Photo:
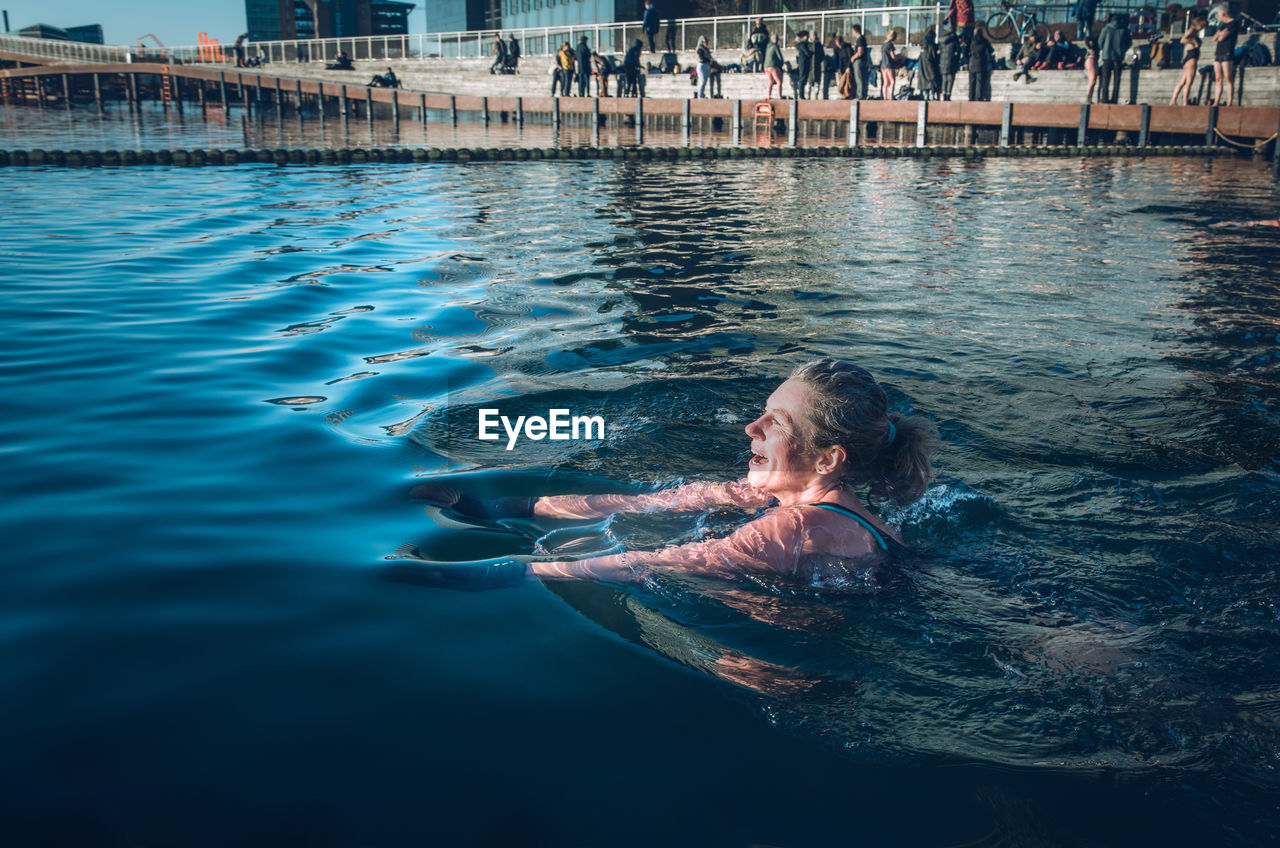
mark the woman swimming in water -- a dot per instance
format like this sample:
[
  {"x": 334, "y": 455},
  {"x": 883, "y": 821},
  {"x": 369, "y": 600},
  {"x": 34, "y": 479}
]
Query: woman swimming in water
[{"x": 825, "y": 435}]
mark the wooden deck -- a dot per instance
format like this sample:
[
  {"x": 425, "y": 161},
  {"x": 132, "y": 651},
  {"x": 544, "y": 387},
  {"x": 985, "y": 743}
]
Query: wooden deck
[{"x": 233, "y": 88}]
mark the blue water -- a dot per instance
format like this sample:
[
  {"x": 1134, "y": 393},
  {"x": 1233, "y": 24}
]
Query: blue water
[{"x": 219, "y": 387}]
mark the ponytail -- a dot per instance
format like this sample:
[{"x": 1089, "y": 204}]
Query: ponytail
[
  {"x": 887, "y": 452},
  {"x": 902, "y": 471}
]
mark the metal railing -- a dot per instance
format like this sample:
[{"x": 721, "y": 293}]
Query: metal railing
[
  {"x": 725, "y": 35},
  {"x": 71, "y": 51}
]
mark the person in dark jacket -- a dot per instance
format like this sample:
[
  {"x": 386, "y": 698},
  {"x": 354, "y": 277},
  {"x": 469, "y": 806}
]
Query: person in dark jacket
[
  {"x": 1084, "y": 11},
  {"x": 930, "y": 70},
  {"x": 1062, "y": 53},
  {"x": 499, "y": 55},
  {"x": 705, "y": 61},
  {"x": 582, "y": 57},
  {"x": 844, "y": 77},
  {"x": 671, "y": 35},
  {"x": 513, "y": 53},
  {"x": 981, "y": 58},
  {"x": 759, "y": 41},
  {"x": 949, "y": 61},
  {"x": 804, "y": 61},
  {"x": 818, "y": 65},
  {"x": 860, "y": 63},
  {"x": 1112, "y": 42},
  {"x": 1029, "y": 55},
  {"x": 631, "y": 69},
  {"x": 651, "y": 24}
]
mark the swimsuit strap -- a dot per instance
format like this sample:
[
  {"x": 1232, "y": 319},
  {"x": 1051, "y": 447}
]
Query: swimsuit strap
[{"x": 844, "y": 510}]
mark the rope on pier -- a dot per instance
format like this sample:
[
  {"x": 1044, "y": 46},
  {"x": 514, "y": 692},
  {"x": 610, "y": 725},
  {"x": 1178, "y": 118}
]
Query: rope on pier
[{"x": 1256, "y": 148}]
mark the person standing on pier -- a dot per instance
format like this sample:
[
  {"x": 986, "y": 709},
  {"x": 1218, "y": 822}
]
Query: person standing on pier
[
  {"x": 981, "y": 58},
  {"x": 818, "y": 68},
  {"x": 1224, "y": 55},
  {"x": 930, "y": 73},
  {"x": 1190, "y": 60},
  {"x": 949, "y": 62},
  {"x": 651, "y": 24},
  {"x": 961, "y": 17},
  {"x": 1090, "y": 68},
  {"x": 804, "y": 61},
  {"x": 513, "y": 53},
  {"x": 859, "y": 63},
  {"x": 499, "y": 55},
  {"x": 582, "y": 59},
  {"x": 631, "y": 69},
  {"x": 671, "y": 35},
  {"x": 844, "y": 79},
  {"x": 759, "y": 40},
  {"x": 564, "y": 61},
  {"x": 888, "y": 67},
  {"x": 603, "y": 68},
  {"x": 1112, "y": 42},
  {"x": 1085, "y": 11},
  {"x": 704, "y": 66},
  {"x": 773, "y": 67}
]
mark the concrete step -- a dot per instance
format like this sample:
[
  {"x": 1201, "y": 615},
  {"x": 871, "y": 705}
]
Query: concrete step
[{"x": 1259, "y": 86}]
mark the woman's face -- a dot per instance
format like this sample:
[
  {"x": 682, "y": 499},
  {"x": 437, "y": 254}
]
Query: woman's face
[{"x": 778, "y": 465}]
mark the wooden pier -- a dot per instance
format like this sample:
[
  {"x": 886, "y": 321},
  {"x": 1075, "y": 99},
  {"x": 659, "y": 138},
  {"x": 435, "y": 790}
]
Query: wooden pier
[{"x": 849, "y": 123}]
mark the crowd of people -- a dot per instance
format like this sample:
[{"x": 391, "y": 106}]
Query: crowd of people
[
  {"x": 573, "y": 69},
  {"x": 853, "y": 67},
  {"x": 845, "y": 64}
]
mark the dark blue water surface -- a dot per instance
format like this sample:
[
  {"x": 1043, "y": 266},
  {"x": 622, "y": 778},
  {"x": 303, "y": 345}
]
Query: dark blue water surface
[{"x": 219, "y": 386}]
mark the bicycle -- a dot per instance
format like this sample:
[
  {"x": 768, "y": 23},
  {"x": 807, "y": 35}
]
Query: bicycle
[{"x": 1012, "y": 19}]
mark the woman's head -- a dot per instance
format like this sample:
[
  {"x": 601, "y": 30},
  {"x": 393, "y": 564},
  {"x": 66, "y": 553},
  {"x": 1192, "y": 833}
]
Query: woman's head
[{"x": 839, "y": 414}]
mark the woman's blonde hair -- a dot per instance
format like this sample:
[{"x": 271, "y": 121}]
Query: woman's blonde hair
[{"x": 886, "y": 451}]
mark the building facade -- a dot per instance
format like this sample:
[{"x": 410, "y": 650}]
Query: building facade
[
  {"x": 274, "y": 20},
  {"x": 89, "y": 33},
  {"x": 463, "y": 15}
]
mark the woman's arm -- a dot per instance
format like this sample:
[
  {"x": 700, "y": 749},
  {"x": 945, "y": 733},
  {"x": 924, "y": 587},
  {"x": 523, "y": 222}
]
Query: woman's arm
[
  {"x": 771, "y": 544},
  {"x": 688, "y": 498}
]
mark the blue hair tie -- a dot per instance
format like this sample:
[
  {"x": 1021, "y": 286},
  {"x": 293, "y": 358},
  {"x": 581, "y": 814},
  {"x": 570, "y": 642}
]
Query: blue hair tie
[{"x": 893, "y": 434}]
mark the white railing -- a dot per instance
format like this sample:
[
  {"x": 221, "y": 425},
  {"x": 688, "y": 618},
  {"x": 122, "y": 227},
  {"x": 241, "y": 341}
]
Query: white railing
[
  {"x": 70, "y": 51},
  {"x": 724, "y": 35}
]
